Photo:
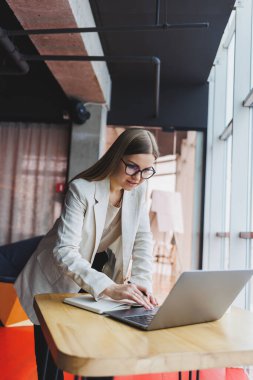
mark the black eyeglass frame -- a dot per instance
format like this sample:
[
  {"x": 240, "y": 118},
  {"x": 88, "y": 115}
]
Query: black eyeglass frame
[{"x": 139, "y": 170}]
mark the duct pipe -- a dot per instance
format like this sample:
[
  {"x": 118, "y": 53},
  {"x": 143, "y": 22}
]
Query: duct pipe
[
  {"x": 125, "y": 28},
  {"x": 141, "y": 59},
  {"x": 12, "y": 52}
]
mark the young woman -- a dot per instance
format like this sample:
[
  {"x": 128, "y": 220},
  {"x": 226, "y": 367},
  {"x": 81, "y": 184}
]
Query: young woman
[{"x": 102, "y": 242}]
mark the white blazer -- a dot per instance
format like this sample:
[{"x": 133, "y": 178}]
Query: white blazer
[{"x": 62, "y": 261}]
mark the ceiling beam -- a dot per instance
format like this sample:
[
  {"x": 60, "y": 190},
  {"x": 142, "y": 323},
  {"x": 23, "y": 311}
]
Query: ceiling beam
[{"x": 89, "y": 81}]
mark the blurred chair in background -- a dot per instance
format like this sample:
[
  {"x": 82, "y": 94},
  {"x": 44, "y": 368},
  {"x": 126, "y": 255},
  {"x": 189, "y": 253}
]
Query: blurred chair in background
[
  {"x": 13, "y": 258},
  {"x": 166, "y": 222}
]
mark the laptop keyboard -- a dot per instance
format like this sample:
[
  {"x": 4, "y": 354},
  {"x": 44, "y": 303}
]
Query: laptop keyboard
[{"x": 144, "y": 319}]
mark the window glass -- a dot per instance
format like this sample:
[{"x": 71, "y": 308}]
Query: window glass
[
  {"x": 251, "y": 208},
  {"x": 227, "y": 201},
  {"x": 230, "y": 80},
  {"x": 251, "y": 71}
]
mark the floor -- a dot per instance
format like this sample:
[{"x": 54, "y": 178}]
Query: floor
[{"x": 17, "y": 360}]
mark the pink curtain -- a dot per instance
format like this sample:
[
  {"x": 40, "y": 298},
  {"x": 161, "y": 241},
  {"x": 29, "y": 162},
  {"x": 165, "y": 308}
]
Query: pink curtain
[{"x": 33, "y": 159}]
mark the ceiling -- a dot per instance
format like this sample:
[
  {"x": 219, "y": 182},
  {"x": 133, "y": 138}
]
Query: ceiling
[
  {"x": 186, "y": 58},
  {"x": 186, "y": 54},
  {"x": 35, "y": 96}
]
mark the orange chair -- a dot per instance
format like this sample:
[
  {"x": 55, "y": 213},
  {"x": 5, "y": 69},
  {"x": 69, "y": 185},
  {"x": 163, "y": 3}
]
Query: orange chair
[{"x": 13, "y": 258}]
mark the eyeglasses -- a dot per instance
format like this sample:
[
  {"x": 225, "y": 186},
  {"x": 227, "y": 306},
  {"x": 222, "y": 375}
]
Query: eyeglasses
[{"x": 133, "y": 169}]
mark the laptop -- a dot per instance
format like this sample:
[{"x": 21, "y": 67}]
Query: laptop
[{"x": 197, "y": 297}]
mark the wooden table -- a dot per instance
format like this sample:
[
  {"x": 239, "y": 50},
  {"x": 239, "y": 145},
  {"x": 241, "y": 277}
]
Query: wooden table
[{"x": 87, "y": 344}]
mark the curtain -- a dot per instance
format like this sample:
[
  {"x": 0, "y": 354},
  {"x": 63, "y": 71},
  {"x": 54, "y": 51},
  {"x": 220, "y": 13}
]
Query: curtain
[{"x": 33, "y": 160}]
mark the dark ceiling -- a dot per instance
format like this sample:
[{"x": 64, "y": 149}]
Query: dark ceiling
[
  {"x": 186, "y": 58},
  {"x": 186, "y": 54},
  {"x": 35, "y": 96}
]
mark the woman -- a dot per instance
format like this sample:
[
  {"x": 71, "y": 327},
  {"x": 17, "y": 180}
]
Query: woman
[{"x": 102, "y": 242}]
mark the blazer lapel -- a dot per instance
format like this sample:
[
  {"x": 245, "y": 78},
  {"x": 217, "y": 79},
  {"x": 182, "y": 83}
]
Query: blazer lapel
[
  {"x": 102, "y": 190},
  {"x": 129, "y": 216}
]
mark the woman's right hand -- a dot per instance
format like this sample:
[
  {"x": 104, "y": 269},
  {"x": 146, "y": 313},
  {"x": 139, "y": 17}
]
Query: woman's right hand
[{"x": 131, "y": 291}]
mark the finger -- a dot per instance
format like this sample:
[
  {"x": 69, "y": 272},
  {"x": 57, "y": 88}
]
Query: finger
[
  {"x": 141, "y": 301},
  {"x": 138, "y": 297},
  {"x": 146, "y": 301},
  {"x": 130, "y": 290},
  {"x": 153, "y": 300},
  {"x": 142, "y": 288},
  {"x": 134, "y": 288},
  {"x": 147, "y": 298},
  {"x": 141, "y": 294}
]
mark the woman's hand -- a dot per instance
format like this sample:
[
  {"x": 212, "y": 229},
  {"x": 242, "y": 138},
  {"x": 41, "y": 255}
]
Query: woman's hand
[{"x": 133, "y": 292}]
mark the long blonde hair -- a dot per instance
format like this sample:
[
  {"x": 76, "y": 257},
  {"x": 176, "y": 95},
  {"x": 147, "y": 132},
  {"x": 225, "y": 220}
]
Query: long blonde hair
[{"x": 131, "y": 141}]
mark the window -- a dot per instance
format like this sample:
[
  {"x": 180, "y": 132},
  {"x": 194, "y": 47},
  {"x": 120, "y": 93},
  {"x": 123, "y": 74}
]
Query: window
[{"x": 230, "y": 80}]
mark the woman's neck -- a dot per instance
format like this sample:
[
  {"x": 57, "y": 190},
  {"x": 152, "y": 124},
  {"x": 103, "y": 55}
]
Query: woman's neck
[
  {"x": 115, "y": 187},
  {"x": 116, "y": 194}
]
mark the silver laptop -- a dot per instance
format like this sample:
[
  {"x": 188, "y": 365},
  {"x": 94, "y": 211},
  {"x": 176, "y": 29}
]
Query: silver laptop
[{"x": 197, "y": 297}]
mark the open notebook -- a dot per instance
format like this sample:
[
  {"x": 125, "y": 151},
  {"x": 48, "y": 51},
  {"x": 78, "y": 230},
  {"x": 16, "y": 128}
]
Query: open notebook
[{"x": 101, "y": 306}]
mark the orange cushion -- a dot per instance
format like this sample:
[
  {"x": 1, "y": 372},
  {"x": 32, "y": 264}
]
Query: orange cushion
[{"x": 10, "y": 309}]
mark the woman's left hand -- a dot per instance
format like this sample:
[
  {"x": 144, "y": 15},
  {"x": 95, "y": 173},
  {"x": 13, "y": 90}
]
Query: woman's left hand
[
  {"x": 152, "y": 299},
  {"x": 148, "y": 296},
  {"x": 133, "y": 292}
]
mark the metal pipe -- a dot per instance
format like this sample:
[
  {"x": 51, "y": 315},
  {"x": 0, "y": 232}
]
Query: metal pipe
[
  {"x": 138, "y": 59},
  {"x": 138, "y": 28},
  {"x": 80, "y": 58},
  {"x": 157, "y": 11},
  {"x": 157, "y": 63},
  {"x": 165, "y": 9},
  {"x": 12, "y": 52}
]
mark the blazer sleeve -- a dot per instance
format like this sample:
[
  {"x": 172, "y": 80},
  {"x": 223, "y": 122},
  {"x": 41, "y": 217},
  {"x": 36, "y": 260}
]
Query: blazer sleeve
[
  {"x": 66, "y": 251},
  {"x": 142, "y": 256}
]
